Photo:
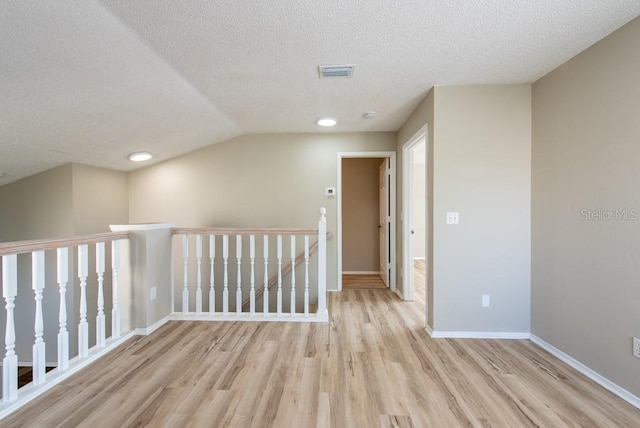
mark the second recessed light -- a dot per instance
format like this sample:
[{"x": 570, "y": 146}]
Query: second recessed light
[{"x": 327, "y": 121}]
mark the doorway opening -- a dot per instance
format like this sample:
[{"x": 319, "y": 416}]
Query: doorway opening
[
  {"x": 366, "y": 220},
  {"x": 415, "y": 211}
]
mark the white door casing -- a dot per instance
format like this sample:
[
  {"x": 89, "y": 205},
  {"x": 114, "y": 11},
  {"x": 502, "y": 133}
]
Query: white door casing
[
  {"x": 391, "y": 236},
  {"x": 383, "y": 221}
]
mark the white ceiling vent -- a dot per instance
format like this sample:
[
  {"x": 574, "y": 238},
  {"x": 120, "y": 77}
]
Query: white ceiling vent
[{"x": 331, "y": 71}]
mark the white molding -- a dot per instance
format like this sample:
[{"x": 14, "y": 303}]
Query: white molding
[
  {"x": 591, "y": 374},
  {"x": 407, "y": 213},
  {"x": 54, "y": 377},
  {"x": 247, "y": 317},
  {"x": 419, "y": 258},
  {"x": 391, "y": 155},
  {"x": 399, "y": 293},
  {"x": 148, "y": 330},
  {"x": 149, "y": 226},
  {"x": 436, "y": 334},
  {"x": 361, "y": 272},
  {"x": 429, "y": 330}
]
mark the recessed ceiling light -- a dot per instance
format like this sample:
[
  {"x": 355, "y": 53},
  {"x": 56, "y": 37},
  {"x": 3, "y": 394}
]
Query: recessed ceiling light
[
  {"x": 327, "y": 121},
  {"x": 140, "y": 156},
  {"x": 370, "y": 115}
]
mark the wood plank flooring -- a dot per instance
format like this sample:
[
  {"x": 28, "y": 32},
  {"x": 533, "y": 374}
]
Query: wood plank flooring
[
  {"x": 372, "y": 366},
  {"x": 362, "y": 282}
]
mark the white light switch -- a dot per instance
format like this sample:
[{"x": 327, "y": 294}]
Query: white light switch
[
  {"x": 486, "y": 300},
  {"x": 453, "y": 218},
  {"x": 152, "y": 293}
]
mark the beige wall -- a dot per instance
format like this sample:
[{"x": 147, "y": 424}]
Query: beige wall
[
  {"x": 100, "y": 198},
  {"x": 270, "y": 180},
  {"x": 482, "y": 158},
  {"x": 478, "y": 164},
  {"x": 360, "y": 214},
  {"x": 37, "y": 207},
  {"x": 586, "y": 152}
]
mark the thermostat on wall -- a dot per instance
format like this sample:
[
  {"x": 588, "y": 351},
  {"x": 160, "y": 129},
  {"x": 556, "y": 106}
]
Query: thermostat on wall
[{"x": 330, "y": 191}]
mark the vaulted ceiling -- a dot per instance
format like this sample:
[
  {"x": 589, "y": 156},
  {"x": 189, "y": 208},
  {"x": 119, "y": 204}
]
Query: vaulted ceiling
[{"x": 92, "y": 81}]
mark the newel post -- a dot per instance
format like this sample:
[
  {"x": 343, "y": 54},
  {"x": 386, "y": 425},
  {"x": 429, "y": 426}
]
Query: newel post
[
  {"x": 10, "y": 361},
  {"x": 322, "y": 263},
  {"x": 148, "y": 296}
]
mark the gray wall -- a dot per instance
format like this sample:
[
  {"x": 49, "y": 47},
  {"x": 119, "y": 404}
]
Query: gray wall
[
  {"x": 586, "y": 152},
  {"x": 267, "y": 180},
  {"x": 360, "y": 214}
]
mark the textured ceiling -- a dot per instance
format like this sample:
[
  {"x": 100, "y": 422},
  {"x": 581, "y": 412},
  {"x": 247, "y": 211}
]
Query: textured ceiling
[{"x": 92, "y": 81}]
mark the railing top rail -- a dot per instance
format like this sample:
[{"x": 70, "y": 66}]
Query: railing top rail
[
  {"x": 20, "y": 247},
  {"x": 244, "y": 231}
]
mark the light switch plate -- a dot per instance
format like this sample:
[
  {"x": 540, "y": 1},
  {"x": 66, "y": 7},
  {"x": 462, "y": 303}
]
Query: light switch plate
[{"x": 453, "y": 218}]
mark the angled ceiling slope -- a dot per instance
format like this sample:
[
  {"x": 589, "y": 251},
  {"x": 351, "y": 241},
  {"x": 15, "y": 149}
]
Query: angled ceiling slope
[{"x": 93, "y": 81}]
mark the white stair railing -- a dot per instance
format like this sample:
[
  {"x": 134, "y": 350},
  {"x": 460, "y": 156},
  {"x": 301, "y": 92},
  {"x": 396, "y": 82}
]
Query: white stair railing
[
  {"x": 295, "y": 253},
  {"x": 56, "y": 340}
]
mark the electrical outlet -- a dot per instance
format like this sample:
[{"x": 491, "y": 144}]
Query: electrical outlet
[
  {"x": 636, "y": 347},
  {"x": 486, "y": 300}
]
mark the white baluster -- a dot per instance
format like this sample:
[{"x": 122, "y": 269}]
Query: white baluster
[
  {"x": 293, "y": 274},
  {"x": 83, "y": 326},
  {"x": 10, "y": 361},
  {"x": 279, "y": 255},
  {"x": 212, "y": 290},
  {"x": 37, "y": 284},
  {"x": 115, "y": 309},
  {"x": 185, "y": 273},
  {"x": 239, "y": 274},
  {"x": 306, "y": 274},
  {"x": 322, "y": 262},
  {"x": 265, "y": 290},
  {"x": 63, "y": 334},
  {"x": 252, "y": 257},
  {"x": 199, "y": 274},
  {"x": 225, "y": 281},
  {"x": 100, "y": 319}
]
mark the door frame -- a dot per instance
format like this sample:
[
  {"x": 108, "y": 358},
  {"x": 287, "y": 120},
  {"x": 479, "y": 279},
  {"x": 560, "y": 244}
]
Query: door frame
[
  {"x": 392, "y": 216},
  {"x": 407, "y": 213}
]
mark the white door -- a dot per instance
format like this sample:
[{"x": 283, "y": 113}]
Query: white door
[{"x": 383, "y": 223}]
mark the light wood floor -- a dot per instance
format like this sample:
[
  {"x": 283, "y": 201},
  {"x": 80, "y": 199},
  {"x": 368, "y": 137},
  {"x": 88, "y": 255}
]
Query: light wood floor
[
  {"x": 362, "y": 282},
  {"x": 372, "y": 366}
]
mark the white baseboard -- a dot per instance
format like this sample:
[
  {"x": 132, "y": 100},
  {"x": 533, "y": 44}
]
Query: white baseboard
[
  {"x": 419, "y": 258},
  {"x": 479, "y": 335},
  {"x": 147, "y": 331},
  {"x": 55, "y": 376},
  {"x": 361, "y": 272},
  {"x": 257, "y": 317},
  {"x": 399, "y": 293},
  {"x": 591, "y": 374},
  {"x": 429, "y": 330}
]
